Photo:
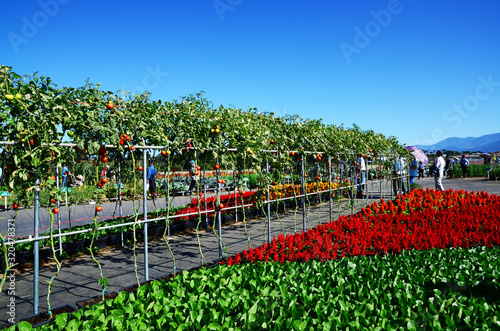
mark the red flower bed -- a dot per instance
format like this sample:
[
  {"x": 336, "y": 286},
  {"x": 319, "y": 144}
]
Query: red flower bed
[
  {"x": 227, "y": 200},
  {"x": 418, "y": 220}
]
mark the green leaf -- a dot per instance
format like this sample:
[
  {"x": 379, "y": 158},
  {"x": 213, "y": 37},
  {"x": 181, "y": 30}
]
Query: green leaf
[
  {"x": 411, "y": 325},
  {"x": 62, "y": 320},
  {"x": 24, "y": 326}
]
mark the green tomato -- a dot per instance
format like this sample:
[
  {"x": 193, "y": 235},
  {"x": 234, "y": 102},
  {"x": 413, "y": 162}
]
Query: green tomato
[
  {"x": 120, "y": 113},
  {"x": 19, "y": 96},
  {"x": 9, "y": 96},
  {"x": 71, "y": 133}
]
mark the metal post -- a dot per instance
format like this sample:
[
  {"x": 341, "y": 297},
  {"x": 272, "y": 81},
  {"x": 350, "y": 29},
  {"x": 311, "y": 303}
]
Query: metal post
[
  {"x": 268, "y": 206},
  {"x": 120, "y": 207},
  {"x": 303, "y": 192},
  {"x": 205, "y": 190},
  {"x": 59, "y": 215},
  {"x": 235, "y": 197},
  {"x": 36, "y": 247},
  {"x": 219, "y": 220},
  {"x": 145, "y": 210},
  {"x": 167, "y": 192},
  {"x": 381, "y": 179},
  {"x": 330, "y": 185}
]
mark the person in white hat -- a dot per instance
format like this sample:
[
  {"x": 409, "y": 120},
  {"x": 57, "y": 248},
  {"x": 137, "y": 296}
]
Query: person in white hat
[{"x": 79, "y": 180}]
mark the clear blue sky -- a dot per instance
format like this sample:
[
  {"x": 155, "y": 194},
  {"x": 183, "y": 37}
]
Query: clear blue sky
[{"x": 418, "y": 70}]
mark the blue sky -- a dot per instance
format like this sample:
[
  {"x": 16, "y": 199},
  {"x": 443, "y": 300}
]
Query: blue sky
[{"x": 421, "y": 71}]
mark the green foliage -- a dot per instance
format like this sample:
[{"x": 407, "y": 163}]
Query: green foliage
[
  {"x": 445, "y": 289},
  {"x": 475, "y": 170},
  {"x": 46, "y": 113}
]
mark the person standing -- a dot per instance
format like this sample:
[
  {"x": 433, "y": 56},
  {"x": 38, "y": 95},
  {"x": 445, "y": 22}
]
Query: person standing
[
  {"x": 420, "y": 170},
  {"x": 413, "y": 171},
  {"x": 447, "y": 165},
  {"x": 398, "y": 177},
  {"x": 316, "y": 169},
  {"x": 464, "y": 163},
  {"x": 438, "y": 177},
  {"x": 361, "y": 169},
  {"x": 193, "y": 172},
  {"x": 151, "y": 179},
  {"x": 65, "y": 173}
]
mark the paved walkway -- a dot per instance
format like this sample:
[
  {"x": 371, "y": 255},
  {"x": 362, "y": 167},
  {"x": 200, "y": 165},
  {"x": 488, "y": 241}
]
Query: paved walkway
[{"x": 77, "y": 279}]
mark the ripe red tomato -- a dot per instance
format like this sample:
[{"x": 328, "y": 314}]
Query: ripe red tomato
[
  {"x": 275, "y": 183},
  {"x": 201, "y": 194},
  {"x": 292, "y": 153},
  {"x": 99, "y": 184},
  {"x": 132, "y": 148},
  {"x": 15, "y": 206},
  {"x": 272, "y": 141},
  {"x": 121, "y": 142},
  {"x": 109, "y": 105},
  {"x": 337, "y": 177},
  {"x": 198, "y": 168},
  {"x": 163, "y": 153},
  {"x": 102, "y": 150},
  {"x": 318, "y": 178},
  {"x": 55, "y": 210},
  {"x": 104, "y": 180},
  {"x": 217, "y": 167},
  {"x": 32, "y": 142},
  {"x": 139, "y": 168},
  {"x": 52, "y": 200},
  {"x": 53, "y": 177},
  {"x": 221, "y": 206},
  {"x": 104, "y": 159},
  {"x": 98, "y": 208}
]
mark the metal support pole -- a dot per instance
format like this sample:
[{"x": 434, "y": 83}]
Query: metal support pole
[
  {"x": 167, "y": 191},
  {"x": 381, "y": 179},
  {"x": 330, "y": 185},
  {"x": 219, "y": 220},
  {"x": 36, "y": 247},
  {"x": 304, "y": 193},
  {"x": 205, "y": 190},
  {"x": 268, "y": 206},
  {"x": 145, "y": 210},
  {"x": 120, "y": 206},
  {"x": 58, "y": 215}
]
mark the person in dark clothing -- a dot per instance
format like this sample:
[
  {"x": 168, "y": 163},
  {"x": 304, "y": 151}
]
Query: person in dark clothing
[
  {"x": 420, "y": 170},
  {"x": 194, "y": 174},
  {"x": 464, "y": 163},
  {"x": 447, "y": 165},
  {"x": 151, "y": 179}
]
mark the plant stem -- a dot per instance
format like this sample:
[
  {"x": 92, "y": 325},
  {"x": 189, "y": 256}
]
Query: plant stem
[
  {"x": 104, "y": 281},
  {"x": 167, "y": 220},
  {"x": 58, "y": 263}
]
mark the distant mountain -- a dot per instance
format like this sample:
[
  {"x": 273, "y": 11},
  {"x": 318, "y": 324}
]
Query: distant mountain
[{"x": 486, "y": 144}]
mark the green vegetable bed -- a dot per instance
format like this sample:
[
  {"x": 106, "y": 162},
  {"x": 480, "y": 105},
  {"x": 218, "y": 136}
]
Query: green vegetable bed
[{"x": 435, "y": 289}]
